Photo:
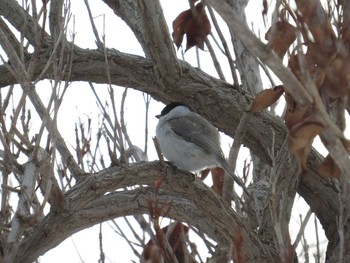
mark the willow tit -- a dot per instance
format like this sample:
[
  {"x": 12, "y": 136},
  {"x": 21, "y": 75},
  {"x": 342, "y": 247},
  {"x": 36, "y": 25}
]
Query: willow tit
[{"x": 189, "y": 141}]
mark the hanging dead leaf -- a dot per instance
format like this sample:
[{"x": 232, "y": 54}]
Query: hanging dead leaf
[
  {"x": 328, "y": 168},
  {"x": 298, "y": 115},
  {"x": 175, "y": 233},
  {"x": 195, "y": 27},
  {"x": 218, "y": 176},
  {"x": 303, "y": 126},
  {"x": 302, "y": 66},
  {"x": 320, "y": 55},
  {"x": 304, "y": 135},
  {"x": 176, "y": 236},
  {"x": 280, "y": 36},
  {"x": 152, "y": 254},
  {"x": 295, "y": 113},
  {"x": 322, "y": 43},
  {"x": 178, "y": 26},
  {"x": 337, "y": 78},
  {"x": 266, "y": 98}
]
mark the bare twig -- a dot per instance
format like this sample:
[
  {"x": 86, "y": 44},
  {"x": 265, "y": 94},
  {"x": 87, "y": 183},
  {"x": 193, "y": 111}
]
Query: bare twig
[
  {"x": 305, "y": 245},
  {"x": 60, "y": 143},
  {"x": 147, "y": 98},
  {"x": 159, "y": 151},
  {"x": 302, "y": 228},
  {"x": 122, "y": 234},
  {"x": 224, "y": 44},
  {"x": 215, "y": 60},
  {"x": 106, "y": 116},
  {"x": 240, "y": 131},
  {"x": 318, "y": 254},
  {"x": 100, "y": 239},
  {"x": 122, "y": 118},
  {"x": 98, "y": 41}
]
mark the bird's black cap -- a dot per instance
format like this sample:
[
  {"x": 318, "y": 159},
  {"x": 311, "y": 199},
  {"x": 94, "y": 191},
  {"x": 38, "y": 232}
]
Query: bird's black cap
[{"x": 169, "y": 107}]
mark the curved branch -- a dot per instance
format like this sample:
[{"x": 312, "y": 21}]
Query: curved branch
[
  {"x": 137, "y": 72},
  {"x": 191, "y": 201}
]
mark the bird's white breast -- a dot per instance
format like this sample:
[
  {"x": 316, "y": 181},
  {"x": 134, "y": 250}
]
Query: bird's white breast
[{"x": 181, "y": 153}]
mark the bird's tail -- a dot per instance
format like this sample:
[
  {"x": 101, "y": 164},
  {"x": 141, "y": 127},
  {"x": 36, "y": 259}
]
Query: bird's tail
[{"x": 235, "y": 178}]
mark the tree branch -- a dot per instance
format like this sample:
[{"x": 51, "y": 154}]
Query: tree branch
[{"x": 191, "y": 201}]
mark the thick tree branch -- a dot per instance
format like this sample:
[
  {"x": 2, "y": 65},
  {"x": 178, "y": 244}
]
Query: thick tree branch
[
  {"x": 191, "y": 201},
  {"x": 138, "y": 73}
]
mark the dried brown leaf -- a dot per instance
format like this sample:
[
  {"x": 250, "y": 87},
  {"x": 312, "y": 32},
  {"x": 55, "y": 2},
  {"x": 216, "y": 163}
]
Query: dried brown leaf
[
  {"x": 266, "y": 98},
  {"x": 337, "y": 78},
  {"x": 280, "y": 36},
  {"x": 303, "y": 125},
  {"x": 322, "y": 44},
  {"x": 302, "y": 135},
  {"x": 303, "y": 66},
  {"x": 195, "y": 27},
  {"x": 218, "y": 176},
  {"x": 295, "y": 113},
  {"x": 178, "y": 26},
  {"x": 328, "y": 168},
  {"x": 153, "y": 252}
]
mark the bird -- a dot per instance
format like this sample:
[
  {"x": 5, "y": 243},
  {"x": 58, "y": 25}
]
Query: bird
[{"x": 189, "y": 141}]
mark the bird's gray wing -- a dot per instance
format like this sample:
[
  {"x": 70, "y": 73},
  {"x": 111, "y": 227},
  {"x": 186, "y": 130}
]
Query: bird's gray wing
[
  {"x": 199, "y": 131},
  {"x": 205, "y": 135}
]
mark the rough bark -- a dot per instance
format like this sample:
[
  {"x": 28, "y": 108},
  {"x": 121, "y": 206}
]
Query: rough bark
[{"x": 191, "y": 201}]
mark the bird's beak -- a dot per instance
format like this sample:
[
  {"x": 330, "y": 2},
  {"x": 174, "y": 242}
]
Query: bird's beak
[{"x": 158, "y": 116}]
